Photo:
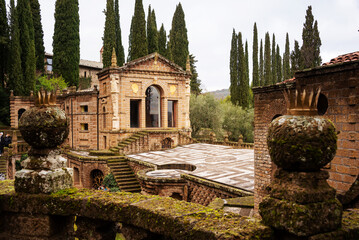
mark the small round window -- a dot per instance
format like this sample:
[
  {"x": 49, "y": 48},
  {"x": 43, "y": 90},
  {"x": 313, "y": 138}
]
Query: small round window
[{"x": 322, "y": 105}]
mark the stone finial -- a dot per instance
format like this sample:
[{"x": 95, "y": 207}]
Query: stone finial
[
  {"x": 156, "y": 58},
  {"x": 44, "y": 127},
  {"x": 11, "y": 93},
  {"x": 302, "y": 102},
  {"x": 300, "y": 201},
  {"x": 114, "y": 58},
  {"x": 188, "y": 65},
  {"x": 45, "y": 98}
]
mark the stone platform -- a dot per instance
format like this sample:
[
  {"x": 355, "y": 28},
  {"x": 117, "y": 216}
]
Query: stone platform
[{"x": 222, "y": 164}]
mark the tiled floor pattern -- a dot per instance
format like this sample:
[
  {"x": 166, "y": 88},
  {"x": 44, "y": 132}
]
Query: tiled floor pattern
[{"x": 222, "y": 164}]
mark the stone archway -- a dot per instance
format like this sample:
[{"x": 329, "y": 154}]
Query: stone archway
[
  {"x": 20, "y": 112},
  {"x": 167, "y": 143},
  {"x": 97, "y": 177},
  {"x": 153, "y": 106}
]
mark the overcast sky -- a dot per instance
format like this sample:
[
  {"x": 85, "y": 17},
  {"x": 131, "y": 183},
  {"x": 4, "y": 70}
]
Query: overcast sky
[{"x": 210, "y": 24}]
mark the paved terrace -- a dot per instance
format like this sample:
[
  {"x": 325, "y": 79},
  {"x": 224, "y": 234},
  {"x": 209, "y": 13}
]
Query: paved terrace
[{"x": 222, "y": 164}]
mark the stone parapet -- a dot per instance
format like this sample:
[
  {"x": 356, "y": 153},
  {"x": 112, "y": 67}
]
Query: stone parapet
[{"x": 103, "y": 215}]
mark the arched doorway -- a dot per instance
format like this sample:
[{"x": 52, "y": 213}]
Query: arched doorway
[
  {"x": 20, "y": 112},
  {"x": 153, "y": 107},
  {"x": 96, "y": 178},
  {"x": 167, "y": 143}
]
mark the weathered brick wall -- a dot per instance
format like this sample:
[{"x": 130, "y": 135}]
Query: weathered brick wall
[
  {"x": 202, "y": 191},
  {"x": 339, "y": 84},
  {"x": 268, "y": 103},
  {"x": 85, "y": 166}
]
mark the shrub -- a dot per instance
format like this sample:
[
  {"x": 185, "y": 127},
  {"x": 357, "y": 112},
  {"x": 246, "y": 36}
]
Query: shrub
[
  {"x": 18, "y": 166},
  {"x": 110, "y": 182},
  {"x": 50, "y": 84},
  {"x": 222, "y": 117}
]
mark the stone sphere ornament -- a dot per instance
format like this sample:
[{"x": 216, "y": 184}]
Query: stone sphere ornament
[
  {"x": 44, "y": 127},
  {"x": 301, "y": 143}
]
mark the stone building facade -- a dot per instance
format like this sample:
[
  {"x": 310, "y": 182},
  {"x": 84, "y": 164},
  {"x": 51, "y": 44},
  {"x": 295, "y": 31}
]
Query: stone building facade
[
  {"x": 150, "y": 93},
  {"x": 338, "y": 101}
]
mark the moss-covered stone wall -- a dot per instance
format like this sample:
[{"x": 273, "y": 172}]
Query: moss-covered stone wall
[{"x": 98, "y": 211}]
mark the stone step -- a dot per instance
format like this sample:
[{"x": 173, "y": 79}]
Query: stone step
[
  {"x": 122, "y": 172},
  {"x": 121, "y": 176},
  {"x": 118, "y": 166},
  {"x": 127, "y": 183},
  {"x": 129, "y": 186}
]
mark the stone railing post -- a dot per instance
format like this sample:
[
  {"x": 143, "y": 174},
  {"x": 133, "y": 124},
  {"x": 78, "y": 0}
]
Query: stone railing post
[
  {"x": 44, "y": 127},
  {"x": 301, "y": 203}
]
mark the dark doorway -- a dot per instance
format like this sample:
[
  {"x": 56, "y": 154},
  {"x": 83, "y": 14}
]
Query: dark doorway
[
  {"x": 20, "y": 112},
  {"x": 153, "y": 107},
  {"x": 134, "y": 113},
  {"x": 171, "y": 113}
]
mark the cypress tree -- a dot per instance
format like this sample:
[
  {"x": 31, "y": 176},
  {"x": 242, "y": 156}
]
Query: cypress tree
[
  {"x": 66, "y": 41},
  {"x": 255, "y": 73},
  {"x": 286, "y": 59},
  {"x": 38, "y": 34},
  {"x": 233, "y": 65},
  {"x": 4, "y": 41},
  {"x": 195, "y": 82},
  {"x": 274, "y": 62},
  {"x": 245, "y": 81},
  {"x": 279, "y": 64},
  {"x": 15, "y": 71},
  {"x": 152, "y": 34},
  {"x": 178, "y": 41},
  {"x": 317, "y": 44},
  {"x": 295, "y": 58},
  {"x": 261, "y": 65},
  {"x": 137, "y": 39},
  {"x": 267, "y": 76},
  {"x": 27, "y": 43},
  {"x": 241, "y": 65},
  {"x": 109, "y": 34},
  {"x": 162, "y": 41},
  {"x": 120, "y": 53},
  {"x": 310, "y": 51}
]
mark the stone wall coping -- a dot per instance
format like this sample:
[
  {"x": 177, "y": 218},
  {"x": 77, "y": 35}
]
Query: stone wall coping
[
  {"x": 331, "y": 68},
  {"x": 142, "y": 176},
  {"x": 273, "y": 88},
  {"x": 161, "y": 215},
  {"x": 147, "y": 164},
  {"x": 220, "y": 186},
  {"x": 90, "y": 158}
]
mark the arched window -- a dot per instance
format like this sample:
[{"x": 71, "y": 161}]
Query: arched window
[
  {"x": 20, "y": 112},
  {"x": 153, "y": 107}
]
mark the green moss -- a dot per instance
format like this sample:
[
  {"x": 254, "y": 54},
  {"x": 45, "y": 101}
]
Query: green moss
[{"x": 164, "y": 216}]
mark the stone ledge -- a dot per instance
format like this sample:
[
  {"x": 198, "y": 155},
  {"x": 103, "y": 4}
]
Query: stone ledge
[
  {"x": 216, "y": 185},
  {"x": 164, "y": 216}
]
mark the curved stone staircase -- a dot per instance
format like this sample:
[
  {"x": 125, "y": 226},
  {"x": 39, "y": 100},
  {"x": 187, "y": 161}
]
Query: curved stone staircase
[
  {"x": 134, "y": 144},
  {"x": 123, "y": 174}
]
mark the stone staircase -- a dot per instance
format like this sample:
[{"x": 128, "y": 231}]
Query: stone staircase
[
  {"x": 123, "y": 174},
  {"x": 3, "y": 166},
  {"x": 138, "y": 142}
]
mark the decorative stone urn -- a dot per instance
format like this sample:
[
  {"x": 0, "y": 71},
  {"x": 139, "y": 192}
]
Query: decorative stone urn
[
  {"x": 44, "y": 127},
  {"x": 300, "y": 201}
]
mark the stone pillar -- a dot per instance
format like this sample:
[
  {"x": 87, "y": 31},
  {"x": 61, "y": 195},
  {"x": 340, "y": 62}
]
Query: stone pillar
[
  {"x": 301, "y": 203},
  {"x": 44, "y": 127}
]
